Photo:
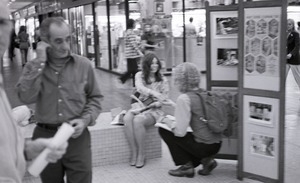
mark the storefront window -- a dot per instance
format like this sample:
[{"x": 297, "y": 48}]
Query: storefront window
[
  {"x": 30, "y": 28},
  {"x": 117, "y": 28},
  {"x": 65, "y": 15},
  {"x": 89, "y": 43},
  {"x": 195, "y": 17},
  {"x": 192, "y": 19},
  {"x": 101, "y": 31},
  {"x": 76, "y": 22}
]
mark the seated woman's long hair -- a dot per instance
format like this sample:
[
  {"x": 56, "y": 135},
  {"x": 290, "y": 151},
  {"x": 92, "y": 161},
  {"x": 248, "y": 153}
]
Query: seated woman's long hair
[{"x": 146, "y": 68}]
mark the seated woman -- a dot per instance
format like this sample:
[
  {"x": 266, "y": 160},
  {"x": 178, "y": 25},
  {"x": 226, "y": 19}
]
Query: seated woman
[
  {"x": 149, "y": 82},
  {"x": 190, "y": 149}
]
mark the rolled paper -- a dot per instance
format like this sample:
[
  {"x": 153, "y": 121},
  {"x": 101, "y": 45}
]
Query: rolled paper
[{"x": 61, "y": 136}]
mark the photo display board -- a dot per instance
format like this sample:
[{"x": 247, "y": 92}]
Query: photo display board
[
  {"x": 222, "y": 66},
  {"x": 260, "y": 135},
  {"x": 224, "y": 52},
  {"x": 261, "y": 48},
  {"x": 262, "y": 51}
]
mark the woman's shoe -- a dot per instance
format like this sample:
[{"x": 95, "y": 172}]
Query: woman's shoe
[
  {"x": 208, "y": 166},
  {"x": 132, "y": 160},
  {"x": 186, "y": 170},
  {"x": 140, "y": 162}
]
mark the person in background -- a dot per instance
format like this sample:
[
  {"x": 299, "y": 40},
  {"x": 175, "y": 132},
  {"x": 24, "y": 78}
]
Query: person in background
[
  {"x": 190, "y": 29},
  {"x": 23, "y": 38},
  {"x": 292, "y": 50},
  {"x": 132, "y": 52},
  {"x": 298, "y": 28},
  {"x": 148, "y": 39},
  {"x": 12, "y": 45},
  {"x": 64, "y": 88},
  {"x": 149, "y": 83},
  {"x": 190, "y": 149},
  {"x": 13, "y": 148},
  {"x": 37, "y": 37}
]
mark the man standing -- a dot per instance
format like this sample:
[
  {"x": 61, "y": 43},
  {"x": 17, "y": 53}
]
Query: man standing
[
  {"x": 190, "y": 29},
  {"x": 13, "y": 148},
  {"x": 64, "y": 88},
  {"x": 132, "y": 52}
]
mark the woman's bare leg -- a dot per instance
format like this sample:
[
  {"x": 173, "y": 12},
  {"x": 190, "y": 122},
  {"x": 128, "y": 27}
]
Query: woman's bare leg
[
  {"x": 140, "y": 123},
  {"x": 129, "y": 132}
]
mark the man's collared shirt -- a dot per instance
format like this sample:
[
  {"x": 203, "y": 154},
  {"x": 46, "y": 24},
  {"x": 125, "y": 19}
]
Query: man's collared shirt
[{"x": 61, "y": 94}]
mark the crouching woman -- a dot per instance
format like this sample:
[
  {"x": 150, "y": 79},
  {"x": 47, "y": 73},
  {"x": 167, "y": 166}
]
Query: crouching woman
[{"x": 190, "y": 149}]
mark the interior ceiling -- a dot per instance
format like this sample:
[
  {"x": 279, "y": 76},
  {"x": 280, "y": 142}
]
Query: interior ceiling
[{"x": 18, "y": 4}]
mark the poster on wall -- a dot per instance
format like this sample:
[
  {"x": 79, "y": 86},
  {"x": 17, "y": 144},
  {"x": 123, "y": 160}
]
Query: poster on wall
[{"x": 261, "y": 45}]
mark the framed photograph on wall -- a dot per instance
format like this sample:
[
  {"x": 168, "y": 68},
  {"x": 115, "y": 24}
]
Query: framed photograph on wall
[
  {"x": 261, "y": 113},
  {"x": 226, "y": 26},
  {"x": 261, "y": 110},
  {"x": 262, "y": 145},
  {"x": 159, "y": 7},
  {"x": 227, "y": 57}
]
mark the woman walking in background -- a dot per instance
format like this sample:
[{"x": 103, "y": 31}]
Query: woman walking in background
[
  {"x": 292, "y": 50},
  {"x": 24, "y": 43},
  {"x": 149, "y": 83}
]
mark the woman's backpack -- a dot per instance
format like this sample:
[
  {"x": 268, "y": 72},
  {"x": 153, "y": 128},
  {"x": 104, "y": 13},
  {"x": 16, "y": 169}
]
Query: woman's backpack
[{"x": 218, "y": 111}]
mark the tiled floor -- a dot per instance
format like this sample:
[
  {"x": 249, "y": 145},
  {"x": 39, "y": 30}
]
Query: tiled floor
[{"x": 155, "y": 170}]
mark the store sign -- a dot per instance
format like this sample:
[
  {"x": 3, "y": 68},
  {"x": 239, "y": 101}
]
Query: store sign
[
  {"x": 49, "y": 6},
  {"x": 73, "y": 3},
  {"x": 31, "y": 10}
]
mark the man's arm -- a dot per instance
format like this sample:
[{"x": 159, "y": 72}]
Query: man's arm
[
  {"x": 93, "y": 107},
  {"x": 29, "y": 84}
]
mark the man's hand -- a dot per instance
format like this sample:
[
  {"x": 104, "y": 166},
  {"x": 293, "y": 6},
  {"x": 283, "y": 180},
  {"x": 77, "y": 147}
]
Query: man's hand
[
  {"x": 289, "y": 56},
  {"x": 79, "y": 125},
  {"x": 158, "y": 95},
  {"x": 35, "y": 147},
  {"x": 41, "y": 51},
  {"x": 155, "y": 104},
  {"x": 169, "y": 102}
]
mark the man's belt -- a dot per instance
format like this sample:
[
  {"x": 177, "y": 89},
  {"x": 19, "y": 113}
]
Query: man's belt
[{"x": 53, "y": 127}]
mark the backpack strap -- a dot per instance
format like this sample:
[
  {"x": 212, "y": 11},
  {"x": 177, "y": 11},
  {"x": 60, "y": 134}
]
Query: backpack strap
[{"x": 203, "y": 106}]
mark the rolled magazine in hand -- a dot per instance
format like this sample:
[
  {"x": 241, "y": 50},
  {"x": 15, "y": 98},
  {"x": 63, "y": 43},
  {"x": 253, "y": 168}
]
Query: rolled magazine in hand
[{"x": 40, "y": 162}]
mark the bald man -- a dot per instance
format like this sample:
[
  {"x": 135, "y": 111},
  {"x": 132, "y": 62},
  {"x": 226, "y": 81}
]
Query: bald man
[{"x": 13, "y": 148}]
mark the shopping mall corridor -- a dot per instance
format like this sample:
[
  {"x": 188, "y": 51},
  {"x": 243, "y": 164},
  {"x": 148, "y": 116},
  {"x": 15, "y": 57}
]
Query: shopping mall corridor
[{"x": 155, "y": 171}]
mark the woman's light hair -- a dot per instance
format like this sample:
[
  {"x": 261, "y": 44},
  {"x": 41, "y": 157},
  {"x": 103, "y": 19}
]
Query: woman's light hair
[
  {"x": 187, "y": 77},
  {"x": 292, "y": 21}
]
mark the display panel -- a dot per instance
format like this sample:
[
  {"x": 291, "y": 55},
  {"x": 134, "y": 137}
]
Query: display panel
[
  {"x": 260, "y": 134},
  {"x": 224, "y": 49},
  {"x": 261, "y": 45}
]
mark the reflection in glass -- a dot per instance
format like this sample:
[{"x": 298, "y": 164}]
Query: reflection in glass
[
  {"x": 101, "y": 31},
  {"x": 117, "y": 28}
]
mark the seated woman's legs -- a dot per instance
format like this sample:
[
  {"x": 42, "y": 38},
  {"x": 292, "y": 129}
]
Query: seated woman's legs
[
  {"x": 129, "y": 132},
  {"x": 140, "y": 123}
]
